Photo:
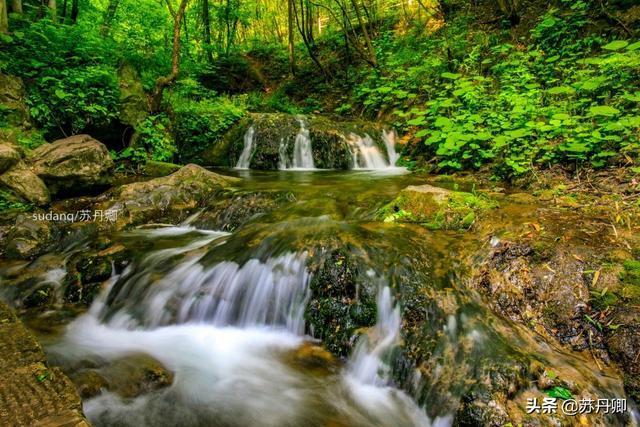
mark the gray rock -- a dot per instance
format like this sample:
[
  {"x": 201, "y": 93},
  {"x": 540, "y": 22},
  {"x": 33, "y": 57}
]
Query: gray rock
[
  {"x": 25, "y": 184},
  {"x": 28, "y": 238},
  {"x": 9, "y": 156},
  {"x": 73, "y": 165}
]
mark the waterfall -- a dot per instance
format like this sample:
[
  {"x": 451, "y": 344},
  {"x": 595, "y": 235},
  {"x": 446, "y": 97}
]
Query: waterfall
[
  {"x": 245, "y": 157},
  {"x": 233, "y": 335},
  {"x": 389, "y": 138},
  {"x": 365, "y": 153},
  {"x": 302, "y": 154}
]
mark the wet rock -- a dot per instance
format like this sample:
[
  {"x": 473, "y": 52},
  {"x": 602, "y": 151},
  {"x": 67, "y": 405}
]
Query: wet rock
[
  {"x": 159, "y": 169},
  {"x": 275, "y": 135},
  {"x": 436, "y": 208},
  {"x": 551, "y": 297},
  {"x": 128, "y": 377},
  {"x": 623, "y": 343},
  {"x": 29, "y": 238},
  {"x": 21, "y": 181},
  {"x": 34, "y": 394},
  {"x": 312, "y": 358},
  {"x": 232, "y": 212},
  {"x": 168, "y": 198},
  {"x": 73, "y": 165},
  {"x": 9, "y": 156},
  {"x": 34, "y": 284},
  {"x": 12, "y": 98}
]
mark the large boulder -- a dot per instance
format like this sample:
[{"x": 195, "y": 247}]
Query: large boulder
[
  {"x": 12, "y": 100},
  {"x": 436, "y": 208},
  {"x": 73, "y": 165},
  {"x": 29, "y": 238},
  {"x": 168, "y": 198},
  {"x": 22, "y": 182}
]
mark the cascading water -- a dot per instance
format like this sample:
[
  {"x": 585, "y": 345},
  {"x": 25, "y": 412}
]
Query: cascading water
[
  {"x": 302, "y": 154},
  {"x": 228, "y": 332},
  {"x": 245, "y": 157},
  {"x": 366, "y": 154}
]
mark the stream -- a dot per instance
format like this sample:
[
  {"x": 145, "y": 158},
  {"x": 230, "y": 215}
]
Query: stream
[{"x": 233, "y": 316}]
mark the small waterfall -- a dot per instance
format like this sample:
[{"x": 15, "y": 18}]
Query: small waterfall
[
  {"x": 365, "y": 153},
  {"x": 232, "y": 335},
  {"x": 302, "y": 154},
  {"x": 245, "y": 157},
  {"x": 389, "y": 138}
]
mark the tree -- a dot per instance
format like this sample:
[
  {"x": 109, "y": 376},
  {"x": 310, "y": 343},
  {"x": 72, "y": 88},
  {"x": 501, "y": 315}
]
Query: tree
[
  {"x": 291, "y": 44},
  {"x": 75, "y": 9},
  {"x": 4, "y": 20},
  {"x": 155, "y": 99},
  {"x": 16, "y": 6},
  {"x": 206, "y": 21},
  {"x": 109, "y": 14},
  {"x": 53, "y": 9}
]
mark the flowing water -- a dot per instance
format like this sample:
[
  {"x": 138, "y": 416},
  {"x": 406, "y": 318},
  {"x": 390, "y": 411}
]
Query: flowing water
[
  {"x": 302, "y": 154},
  {"x": 229, "y": 315},
  {"x": 245, "y": 157}
]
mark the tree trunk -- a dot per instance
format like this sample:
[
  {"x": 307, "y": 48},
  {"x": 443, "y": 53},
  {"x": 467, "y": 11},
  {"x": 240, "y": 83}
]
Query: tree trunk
[
  {"x": 155, "y": 100},
  {"x": 16, "y": 6},
  {"x": 53, "y": 10},
  {"x": 109, "y": 14},
  {"x": 365, "y": 33},
  {"x": 206, "y": 20},
  {"x": 75, "y": 9},
  {"x": 4, "y": 19},
  {"x": 63, "y": 15},
  {"x": 292, "y": 52}
]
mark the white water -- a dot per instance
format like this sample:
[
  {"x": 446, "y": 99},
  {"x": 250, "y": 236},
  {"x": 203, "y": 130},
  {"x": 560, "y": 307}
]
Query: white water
[
  {"x": 245, "y": 157},
  {"x": 225, "y": 331},
  {"x": 302, "y": 154},
  {"x": 366, "y": 155}
]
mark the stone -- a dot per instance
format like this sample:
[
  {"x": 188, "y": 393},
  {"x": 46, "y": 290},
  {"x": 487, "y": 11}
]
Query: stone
[
  {"x": 28, "y": 238},
  {"x": 167, "y": 198},
  {"x": 21, "y": 181},
  {"x": 9, "y": 156},
  {"x": 12, "y": 99},
  {"x": 133, "y": 101},
  {"x": 436, "y": 208},
  {"x": 73, "y": 165},
  {"x": 159, "y": 169}
]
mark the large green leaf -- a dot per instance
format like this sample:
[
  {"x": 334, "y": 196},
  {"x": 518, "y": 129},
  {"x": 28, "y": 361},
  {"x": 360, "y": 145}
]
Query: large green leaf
[
  {"x": 603, "y": 110},
  {"x": 616, "y": 45}
]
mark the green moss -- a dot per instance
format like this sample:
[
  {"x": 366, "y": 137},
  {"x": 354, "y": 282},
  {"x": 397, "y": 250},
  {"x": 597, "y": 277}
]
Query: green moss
[
  {"x": 156, "y": 169},
  {"x": 436, "y": 208}
]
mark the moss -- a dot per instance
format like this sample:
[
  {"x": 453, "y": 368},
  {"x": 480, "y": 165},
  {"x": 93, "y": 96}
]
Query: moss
[
  {"x": 436, "y": 208},
  {"x": 157, "y": 169},
  {"x": 630, "y": 278}
]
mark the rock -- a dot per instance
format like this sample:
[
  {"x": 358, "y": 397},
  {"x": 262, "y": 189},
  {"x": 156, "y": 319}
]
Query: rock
[
  {"x": 73, "y": 165},
  {"x": 275, "y": 135},
  {"x": 159, "y": 169},
  {"x": 28, "y": 238},
  {"x": 133, "y": 100},
  {"x": 168, "y": 198},
  {"x": 33, "y": 393},
  {"x": 12, "y": 98},
  {"x": 623, "y": 344},
  {"x": 9, "y": 156},
  {"x": 128, "y": 377},
  {"x": 21, "y": 181},
  {"x": 436, "y": 208}
]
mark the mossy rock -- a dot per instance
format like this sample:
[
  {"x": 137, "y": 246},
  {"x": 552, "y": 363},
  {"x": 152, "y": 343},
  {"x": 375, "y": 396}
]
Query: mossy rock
[
  {"x": 157, "y": 169},
  {"x": 436, "y": 208}
]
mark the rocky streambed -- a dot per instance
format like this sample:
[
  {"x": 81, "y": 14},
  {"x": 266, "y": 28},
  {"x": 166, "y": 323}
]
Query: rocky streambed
[{"x": 367, "y": 297}]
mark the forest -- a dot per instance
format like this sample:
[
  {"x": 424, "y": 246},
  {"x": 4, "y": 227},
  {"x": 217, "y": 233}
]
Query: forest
[{"x": 349, "y": 213}]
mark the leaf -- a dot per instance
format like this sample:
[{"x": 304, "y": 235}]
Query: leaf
[
  {"x": 603, "y": 110},
  {"x": 634, "y": 46},
  {"x": 559, "y": 393},
  {"x": 616, "y": 45},
  {"x": 596, "y": 276},
  {"x": 450, "y": 76},
  {"x": 561, "y": 90},
  {"x": 60, "y": 93}
]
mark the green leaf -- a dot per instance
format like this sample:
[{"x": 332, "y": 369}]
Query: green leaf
[
  {"x": 603, "y": 110},
  {"x": 450, "y": 76},
  {"x": 559, "y": 393},
  {"x": 616, "y": 45},
  {"x": 634, "y": 46},
  {"x": 60, "y": 93},
  {"x": 561, "y": 90}
]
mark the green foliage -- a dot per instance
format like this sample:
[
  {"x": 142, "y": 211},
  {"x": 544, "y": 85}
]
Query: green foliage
[
  {"x": 71, "y": 76},
  {"x": 154, "y": 137},
  {"x": 10, "y": 202},
  {"x": 559, "y": 393},
  {"x": 197, "y": 124}
]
